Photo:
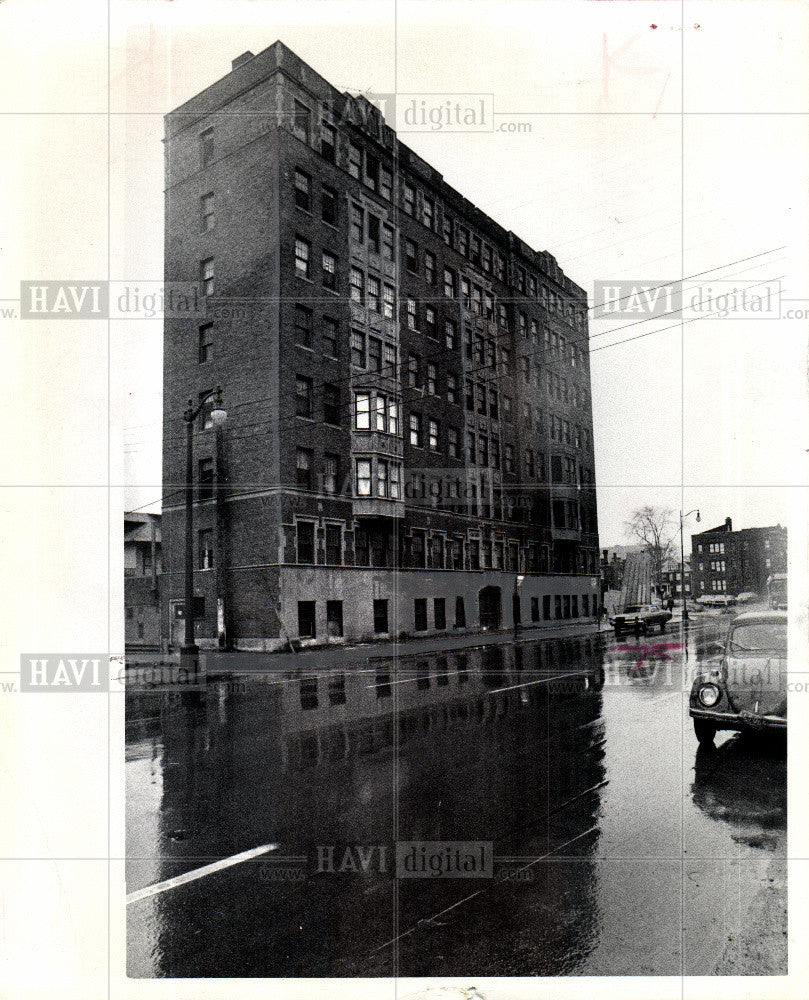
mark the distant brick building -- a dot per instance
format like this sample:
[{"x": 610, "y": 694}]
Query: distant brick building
[
  {"x": 724, "y": 561},
  {"x": 409, "y": 438},
  {"x": 142, "y": 576}
]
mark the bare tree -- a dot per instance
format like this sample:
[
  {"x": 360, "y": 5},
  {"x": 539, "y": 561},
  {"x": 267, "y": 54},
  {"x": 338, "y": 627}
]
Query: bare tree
[{"x": 654, "y": 528}]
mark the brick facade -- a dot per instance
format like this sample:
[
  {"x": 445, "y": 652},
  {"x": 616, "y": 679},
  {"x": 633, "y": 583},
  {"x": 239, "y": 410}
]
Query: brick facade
[{"x": 438, "y": 315}]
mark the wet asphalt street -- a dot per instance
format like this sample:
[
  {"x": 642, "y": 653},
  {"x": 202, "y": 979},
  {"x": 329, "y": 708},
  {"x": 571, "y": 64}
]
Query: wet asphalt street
[{"x": 618, "y": 847}]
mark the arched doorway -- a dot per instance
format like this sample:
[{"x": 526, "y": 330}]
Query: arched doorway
[{"x": 490, "y": 607}]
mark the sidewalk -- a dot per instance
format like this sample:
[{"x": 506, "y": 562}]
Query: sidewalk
[{"x": 336, "y": 656}]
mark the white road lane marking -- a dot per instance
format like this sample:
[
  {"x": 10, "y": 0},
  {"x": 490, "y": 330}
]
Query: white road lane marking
[{"x": 192, "y": 876}]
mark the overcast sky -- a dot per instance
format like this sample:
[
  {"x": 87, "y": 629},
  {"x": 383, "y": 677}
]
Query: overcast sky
[{"x": 612, "y": 179}]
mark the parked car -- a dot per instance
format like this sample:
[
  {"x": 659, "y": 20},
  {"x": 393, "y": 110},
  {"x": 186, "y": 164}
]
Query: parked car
[
  {"x": 746, "y": 687},
  {"x": 640, "y": 618}
]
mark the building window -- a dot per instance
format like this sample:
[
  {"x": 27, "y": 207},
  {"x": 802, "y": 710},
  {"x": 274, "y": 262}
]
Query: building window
[
  {"x": 206, "y": 147},
  {"x": 206, "y": 276},
  {"x": 374, "y": 354},
  {"x": 388, "y": 301},
  {"x": 371, "y": 171},
  {"x": 471, "y": 446},
  {"x": 334, "y": 615},
  {"x": 373, "y": 299},
  {"x": 529, "y": 463},
  {"x": 411, "y": 256},
  {"x": 452, "y": 389},
  {"x": 390, "y": 360},
  {"x": 495, "y": 451},
  {"x": 429, "y": 267},
  {"x": 357, "y": 349},
  {"x": 432, "y": 379},
  {"x": 331, "y": 474},
  {"x": 357, "y": 285},
  {"x": 330, "y": 337},
  {"x": 302, "y": 253},
  {"x": 354, "y": 160},
  {"x": 483, "y": 449},
  {"x": 205, "y": 343},
  {"x": 394, "y": 480},
  {"x": 328, "y": 141},
  {"x": 303, "y": 396},
  {"x": 328, "y": 205},
  {"x": 362, "y": 411},
  {"x": 428, "y": 212},
  {"x": 413, "y": 373},
  {"x": 385, "y": 183},
  {"x": 453, "y": 442},
  {"x": 363, "y": 477},
  {"x": 449, "y": 283},
  {"x": 331, "y": 403},
  {"x": 300, "y": 122},
  {"x": 303, "y": 326},
  {"x": 415, "y": 430},
  {"x": 450, "y": 334},
  {"x": 429, "y": 321},
  {"x": 207, "y": 216},
  {"x": 205, "y": 478},
  {"x": 205, "y": 548},
  {"x": 303, "y": 185},
  {"x": 474, "y": 554},
  {"x": 303, "y": 468},
  {"x": 388, "y": 238},
  {"x": 329, "y": 271},
  {"x": 432, "y": 435},
  {"x": 508, "y": 454},
  {"x": 205, "y": 418},
  {"x": 409, "y": 199},
  {"x": 373, "y": 233},
  {"x": 382, "y": 478},
  {"x": 463, "y": 240}
]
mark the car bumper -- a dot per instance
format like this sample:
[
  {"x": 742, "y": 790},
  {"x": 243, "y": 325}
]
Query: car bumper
[{"x": 733, "y": 720}]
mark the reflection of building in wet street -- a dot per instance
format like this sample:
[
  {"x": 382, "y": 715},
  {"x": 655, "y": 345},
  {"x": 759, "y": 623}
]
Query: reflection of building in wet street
[
  {"x": 408, "y": 444},
  {"x": 495, "y": 744}
]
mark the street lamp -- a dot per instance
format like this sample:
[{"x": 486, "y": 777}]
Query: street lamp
[
  {"x": 189, "y": 649},
  {"x": 682, "y": 559}
]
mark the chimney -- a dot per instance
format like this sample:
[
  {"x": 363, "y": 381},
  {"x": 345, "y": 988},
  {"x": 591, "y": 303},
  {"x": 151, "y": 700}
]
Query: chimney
[
  {"x": 728, "y": 524},
  {"x": 240, "y": 60}
]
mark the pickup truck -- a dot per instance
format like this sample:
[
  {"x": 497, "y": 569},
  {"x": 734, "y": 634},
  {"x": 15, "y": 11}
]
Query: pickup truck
[{"x": 640, "y": 618}]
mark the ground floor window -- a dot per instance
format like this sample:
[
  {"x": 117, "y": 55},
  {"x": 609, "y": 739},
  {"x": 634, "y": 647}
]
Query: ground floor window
[
  {"x": 306, "y": 619},
  {"x": 420, "y": 614},
  {"x": 534, "y": 609},
  {"x": 334, "y": 618},
  {"x": 546, "y": 607},
  {"x": 380, "y": 616},
  {"x": 557, "y": 606},
  {"x": 585, "y": 605},
  {"x": 439, "y": 613},
  {"x": 460, "y": 613},
  {"x": 574, "y": 601},
  {"x": 567, "y": 605}
]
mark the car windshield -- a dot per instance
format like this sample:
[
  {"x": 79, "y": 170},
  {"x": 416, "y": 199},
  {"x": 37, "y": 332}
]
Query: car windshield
[{"x": 758, "y": 637}]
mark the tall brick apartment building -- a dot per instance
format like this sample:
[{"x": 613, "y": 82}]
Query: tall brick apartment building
[
  {"x": 724, "y": 561},
  {"x": 409, "y": 436}
]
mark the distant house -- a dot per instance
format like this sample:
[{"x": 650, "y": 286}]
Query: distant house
[
  {"x": 671, "y": 579},
  {"x": 142, "y": 576},
  {"x": 724, "y": 561}
]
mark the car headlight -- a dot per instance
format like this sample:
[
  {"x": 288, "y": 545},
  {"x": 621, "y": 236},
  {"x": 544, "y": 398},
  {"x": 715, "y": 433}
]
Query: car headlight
[{"x": 708, "y": 694}]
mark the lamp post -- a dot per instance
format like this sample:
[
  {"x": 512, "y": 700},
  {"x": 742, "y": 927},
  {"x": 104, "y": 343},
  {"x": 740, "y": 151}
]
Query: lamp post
[
  {"x": 189, "y": 650},
  {"x": 682, "y": 559}
]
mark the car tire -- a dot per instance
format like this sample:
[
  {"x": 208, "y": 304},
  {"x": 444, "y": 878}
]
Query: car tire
[{"x": 705, "y": 732}]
